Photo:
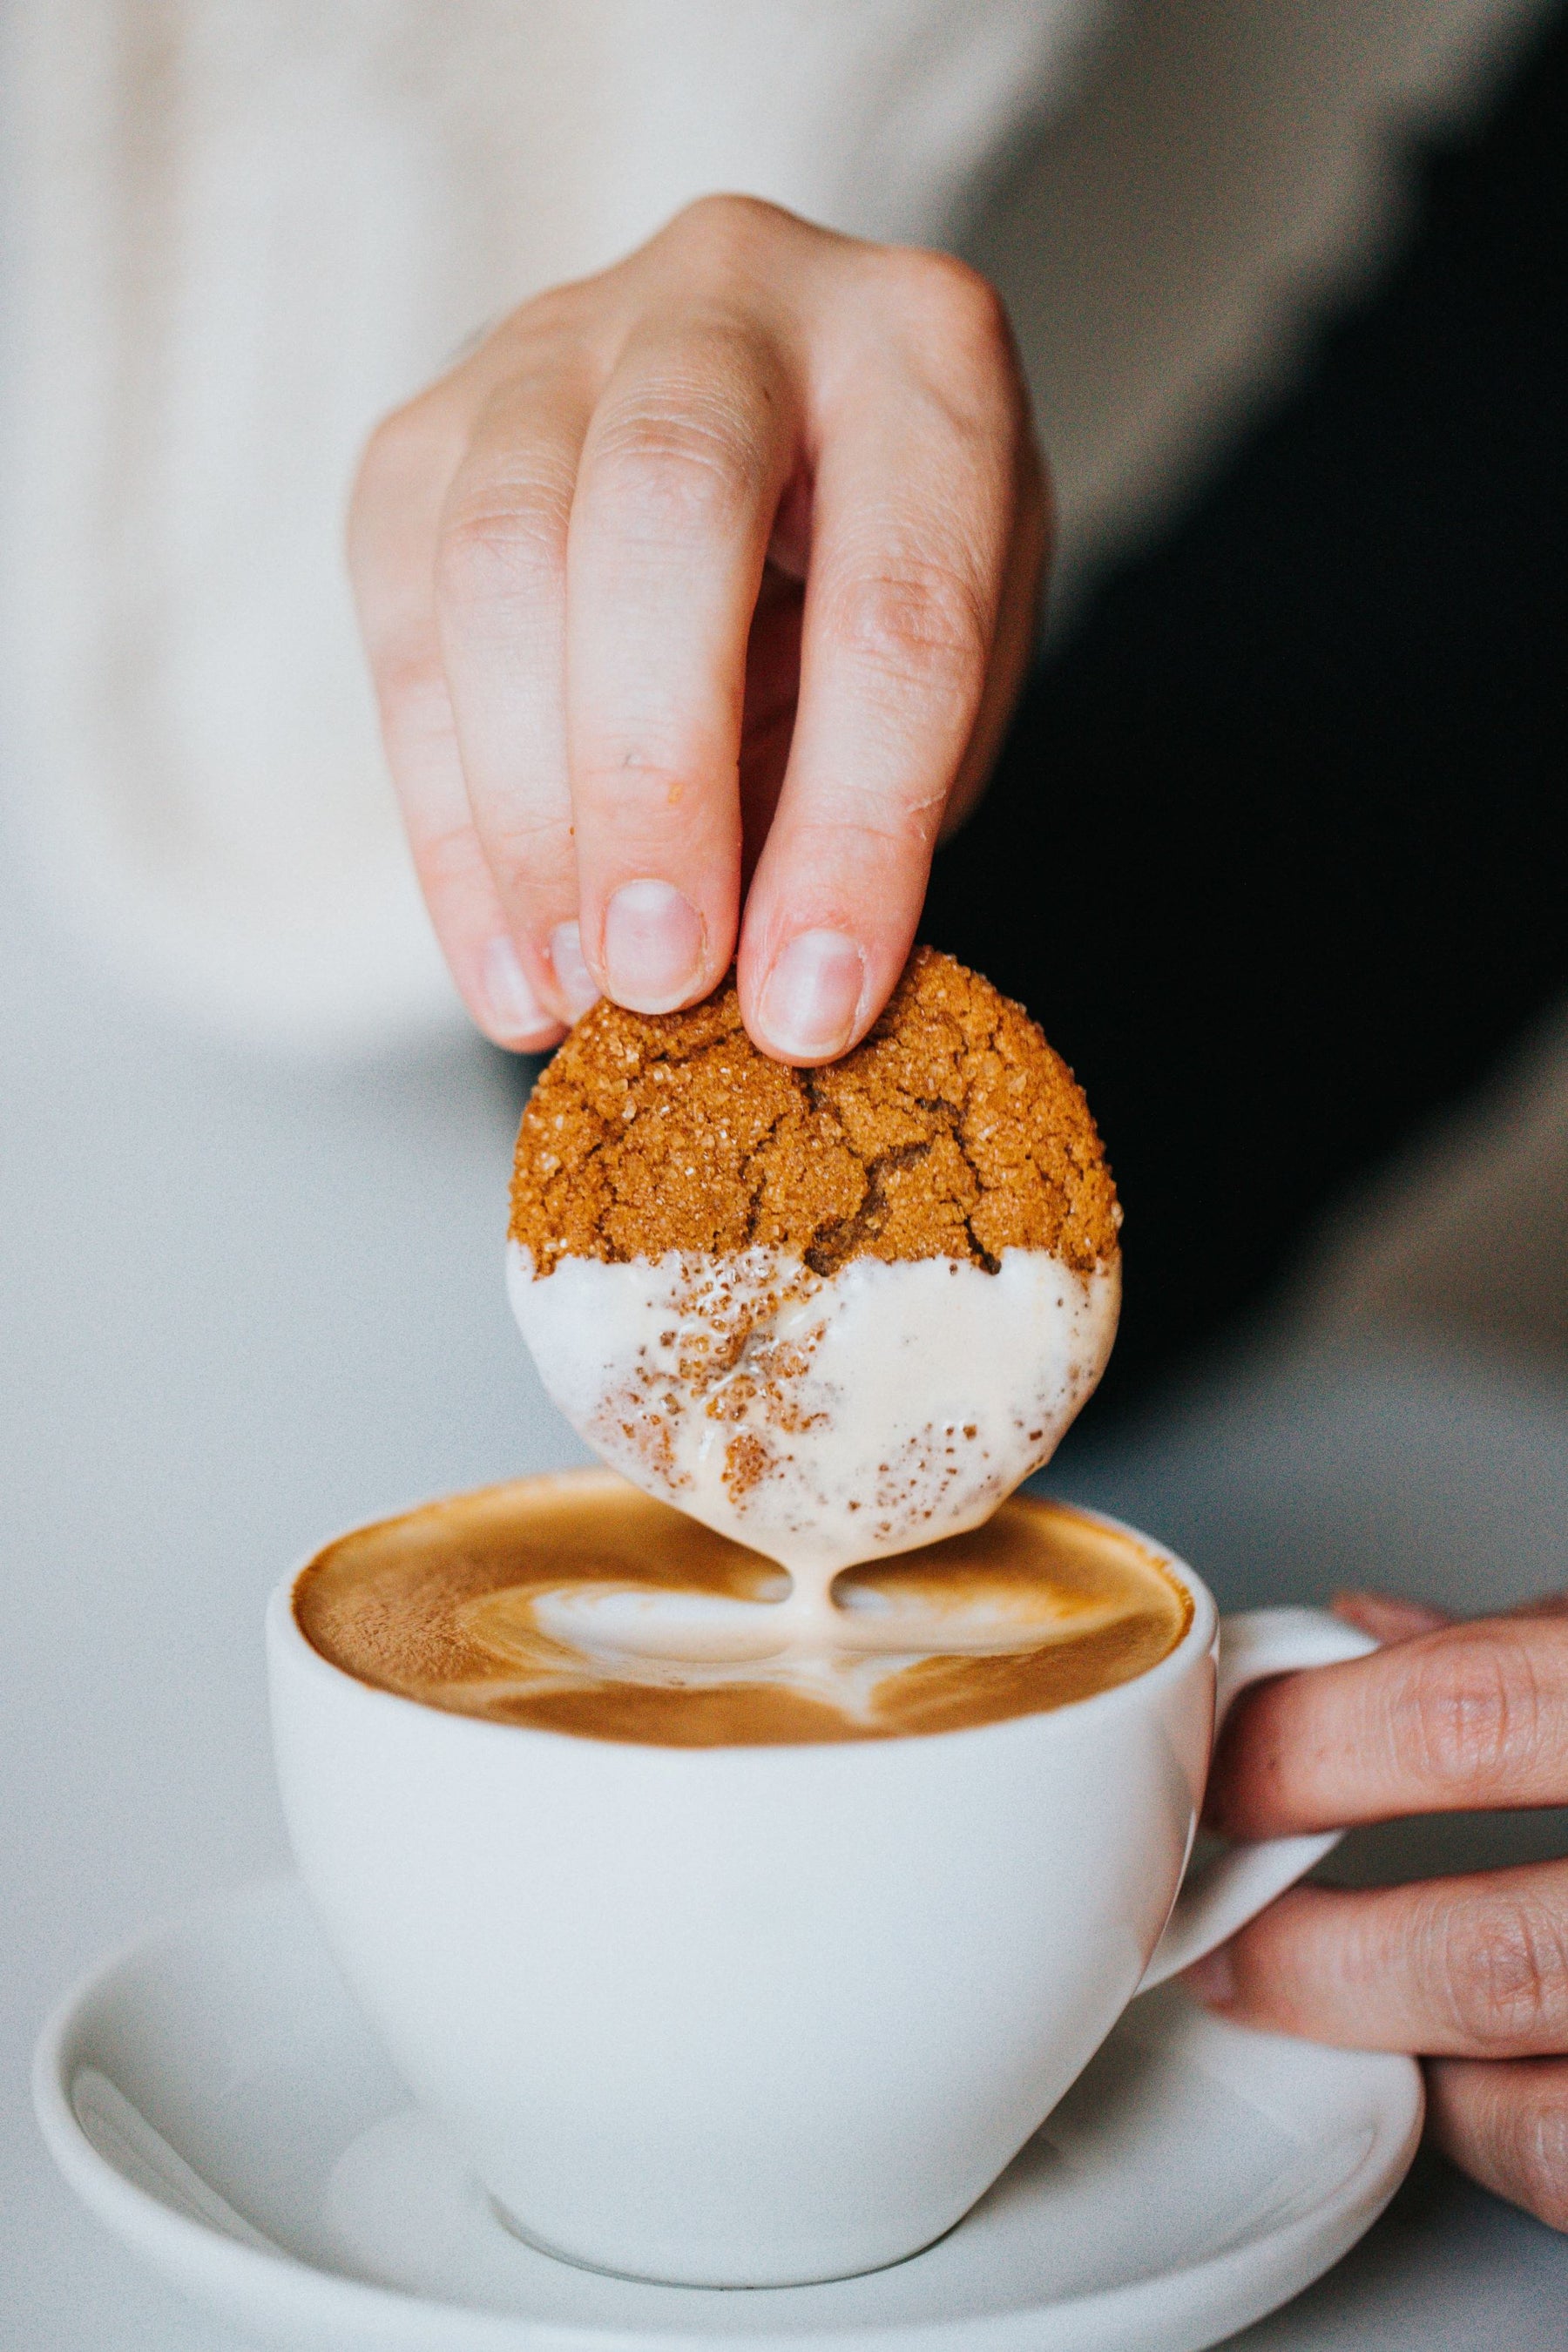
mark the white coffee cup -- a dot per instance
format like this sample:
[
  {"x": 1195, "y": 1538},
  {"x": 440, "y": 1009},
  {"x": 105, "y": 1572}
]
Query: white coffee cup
[{"x": 755, "y": 2016}]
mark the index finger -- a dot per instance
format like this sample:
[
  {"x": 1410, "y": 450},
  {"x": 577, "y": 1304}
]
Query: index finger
[
  {"x": 927, "y": 541},
  {"x": 1471, "y": 1716}
]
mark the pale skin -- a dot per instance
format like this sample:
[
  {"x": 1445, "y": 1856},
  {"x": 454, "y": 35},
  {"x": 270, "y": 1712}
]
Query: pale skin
[
  {"x": 714, "y": 577},
  {"x": 697, "y": 598},
  {"x": 1471, "y": 1973}
]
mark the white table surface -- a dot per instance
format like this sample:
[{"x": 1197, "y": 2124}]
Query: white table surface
[{"x": 244, "y": 1306}]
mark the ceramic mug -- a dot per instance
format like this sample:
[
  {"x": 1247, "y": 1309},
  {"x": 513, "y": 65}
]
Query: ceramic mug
[{"x": 758, "y": 2016}]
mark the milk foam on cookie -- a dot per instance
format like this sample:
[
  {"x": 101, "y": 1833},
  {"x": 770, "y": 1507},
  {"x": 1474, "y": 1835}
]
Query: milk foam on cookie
[
  {"x": 823, "y": 1420},
  {"x": 832, "y": 1314}
]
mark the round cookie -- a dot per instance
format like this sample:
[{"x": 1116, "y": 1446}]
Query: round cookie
[{"x": 836, "y": 1312}]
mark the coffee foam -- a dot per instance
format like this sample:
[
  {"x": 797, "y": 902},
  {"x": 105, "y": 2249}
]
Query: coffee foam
[
  {"x": 576, "y": 1604},
  {"x": 824, "y": 1420}
]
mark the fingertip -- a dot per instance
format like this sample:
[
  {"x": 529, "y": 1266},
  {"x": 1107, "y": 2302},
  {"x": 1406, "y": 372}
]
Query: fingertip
[
  {"x": 1274, "y": 1973},
  {"x": 653, "y": 947},
  {"x": 1211, "y": 1980},
  {"x": 508, "y": 1010},
  {"x": 579, "y": 990},
  {"x": 1231, "y": 1796},
  {"x": 1388, "y": 1617},
  {"x": 1505, "y": 2122},
  {"x": 811, "y": 1005}
]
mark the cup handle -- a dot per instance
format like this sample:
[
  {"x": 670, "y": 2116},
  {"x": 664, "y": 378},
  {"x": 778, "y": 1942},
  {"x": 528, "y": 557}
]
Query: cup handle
[{"x": 1222, "y": 1895}]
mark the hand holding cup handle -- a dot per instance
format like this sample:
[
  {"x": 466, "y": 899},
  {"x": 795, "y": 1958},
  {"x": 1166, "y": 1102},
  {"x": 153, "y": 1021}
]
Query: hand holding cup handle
[{"x": 1224, "y": 1894}]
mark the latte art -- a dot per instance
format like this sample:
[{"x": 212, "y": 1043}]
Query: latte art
[{"x": 574, "y": 1603}]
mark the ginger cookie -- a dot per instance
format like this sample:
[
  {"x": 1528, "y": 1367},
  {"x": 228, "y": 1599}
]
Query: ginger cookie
[{"x": 833, "y": 1313}]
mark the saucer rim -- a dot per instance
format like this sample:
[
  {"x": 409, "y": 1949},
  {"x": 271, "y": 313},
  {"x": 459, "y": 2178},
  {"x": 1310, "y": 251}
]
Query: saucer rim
[{"x": 289, "y": 2294}]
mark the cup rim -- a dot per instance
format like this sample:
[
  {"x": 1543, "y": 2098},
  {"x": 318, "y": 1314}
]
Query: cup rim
[{"x": 283, "y": 1626}]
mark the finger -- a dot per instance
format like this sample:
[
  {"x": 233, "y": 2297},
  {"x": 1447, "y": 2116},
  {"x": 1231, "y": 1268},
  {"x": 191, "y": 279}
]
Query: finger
[
  {"x": 1507, "y": 2126},
  {"x": 392, "y": 541},
  {"x": 682, "y": 470},
  {"x": 916, "y": 492},
  {"x": 1469, "y": 1967},
  {"x": 1387, "y": 1617},
  {"x": 500, "y": 609},
  {"x": 1472, "y": 1715}
]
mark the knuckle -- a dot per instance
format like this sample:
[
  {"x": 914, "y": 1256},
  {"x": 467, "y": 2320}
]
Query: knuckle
[
  {"x": 884, "y": 828},
  {"x": 397, "y": 467},
  {"x": 722, "y": 228},
  {"x": 447, "y": 855},
  {"x": 535, "y": 848},
  {"x": 409, "y": 676},
  {"x": 921, "y": 623},
  {"x": 1472, "y": 1713},
  {"x": 404, "y": 459},
  {"x": 1506, "y": 1969},
  {"x": 952, "y": 308},
  {"x": 397, "y": 446},
  {"x": 956, "y": 363},
  {"x": 415, "y": 717},
  {"x": 501, "y": 546},
  {"x": 550, "y": 325},
  {"x": 641, "y": 778},
  {"x": 680, "y": 462},
  {"x": 959, "y": 291}
]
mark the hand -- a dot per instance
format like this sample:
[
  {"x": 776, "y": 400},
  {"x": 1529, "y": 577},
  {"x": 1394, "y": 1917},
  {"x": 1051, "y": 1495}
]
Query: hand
[
  {"x": 719, "y": 571},
  {"x": 1470, "y": 1973}
]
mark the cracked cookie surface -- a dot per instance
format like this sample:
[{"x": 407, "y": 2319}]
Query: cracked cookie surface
[{"x": 953, "y": 1131}]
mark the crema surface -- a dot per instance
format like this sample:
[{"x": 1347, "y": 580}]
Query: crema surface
[{"x": 574, "y": 1603}]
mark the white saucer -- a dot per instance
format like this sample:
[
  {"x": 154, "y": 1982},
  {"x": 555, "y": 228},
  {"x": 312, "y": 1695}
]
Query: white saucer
[{"x": 212, "y": 2094}]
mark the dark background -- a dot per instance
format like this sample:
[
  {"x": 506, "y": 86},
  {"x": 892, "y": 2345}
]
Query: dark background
[{"x": 1278, "y": 848}]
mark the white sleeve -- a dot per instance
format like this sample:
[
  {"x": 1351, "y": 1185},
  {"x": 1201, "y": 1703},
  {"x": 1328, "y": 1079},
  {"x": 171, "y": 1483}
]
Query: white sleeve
[{"x": 238, "y": 234}]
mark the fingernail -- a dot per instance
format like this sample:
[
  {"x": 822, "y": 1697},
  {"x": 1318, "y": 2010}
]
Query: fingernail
[
  {"x": 812, "y": 996},
  {"x": 1211, "y": 1980},
  {"x": 515, "y": 1011},
  {"x": 572, "y": 974},
  {"x": 653, "y": 946}
]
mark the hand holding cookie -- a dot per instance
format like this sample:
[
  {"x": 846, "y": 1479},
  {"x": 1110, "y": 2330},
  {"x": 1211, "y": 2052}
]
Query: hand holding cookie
[{"x": 714, "y": 575}]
